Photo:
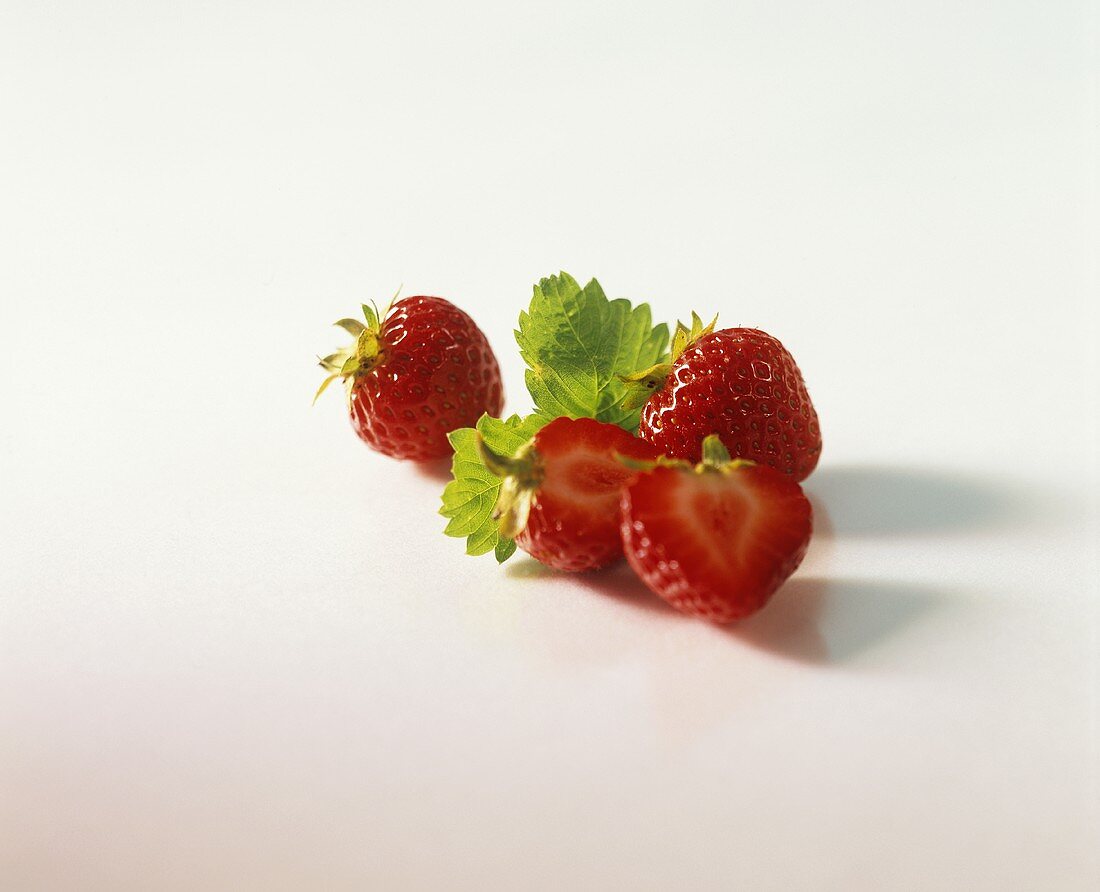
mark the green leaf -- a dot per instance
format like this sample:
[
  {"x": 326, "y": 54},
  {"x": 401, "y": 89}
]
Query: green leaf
[
  {"x": 505, "y": 549},
  {"x": 577, "y": 344},
  {"x": 469, "y": 498}
]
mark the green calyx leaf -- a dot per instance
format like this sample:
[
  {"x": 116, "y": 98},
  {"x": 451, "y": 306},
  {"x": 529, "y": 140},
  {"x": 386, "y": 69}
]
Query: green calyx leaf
[
  {"x": 578, "y": 344},
  {"x": 715, "y": 454},
  {"x": 685, "y": 337},
  {"x": 716, "y": 458},
  {"x": 520, "y": 476},
  {"x": 362, "y": 356},
  {"x": 373, "y": 317},
  {"x": 324, "y": 386},
  {"x": 352, "y": 326},
  {"x": 640, "y": 386},
  {"x": 470, "y": 499}
]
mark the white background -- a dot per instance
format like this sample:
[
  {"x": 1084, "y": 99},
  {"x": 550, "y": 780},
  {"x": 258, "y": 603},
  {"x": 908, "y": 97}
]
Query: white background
[{"x": 236, "y": 651}]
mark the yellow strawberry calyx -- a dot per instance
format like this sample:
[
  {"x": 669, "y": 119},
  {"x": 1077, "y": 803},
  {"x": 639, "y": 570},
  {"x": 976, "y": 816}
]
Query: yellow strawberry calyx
[
  {"x": 361, "y": 356},
  {"x": 715, "y": 453},
  {"x": 648, "y": 464},
  {"x": 521, "y": 475},
  {"x": 715, "y": 458},
  {"x": 684, "y": 337},
  {"x": 640, "y": 386}
]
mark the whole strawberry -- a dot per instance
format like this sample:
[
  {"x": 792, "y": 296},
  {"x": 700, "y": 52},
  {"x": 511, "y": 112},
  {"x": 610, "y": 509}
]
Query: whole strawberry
[
  {"x": 740, "y": 383},
  {"x": 560, "y": 495},
  {"x": 417, "y": 374},
  {"x": 715, "y": 540}
]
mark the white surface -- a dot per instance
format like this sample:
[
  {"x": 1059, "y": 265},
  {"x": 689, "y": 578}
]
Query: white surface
[{"x": 235, "y": 650}]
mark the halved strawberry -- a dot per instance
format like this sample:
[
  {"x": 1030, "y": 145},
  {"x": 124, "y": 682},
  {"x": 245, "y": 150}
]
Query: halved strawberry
[
  {"x": 715, "y": 540},
  {"x": 560, "y": 496}
]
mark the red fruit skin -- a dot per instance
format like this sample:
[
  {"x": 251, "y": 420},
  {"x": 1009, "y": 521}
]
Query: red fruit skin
[
  {"x": 574, "y": 519},
  {"x": 743, "y": 385},
  {"x": 715, "y": 545},
  {"x": 437, "y": 373}
]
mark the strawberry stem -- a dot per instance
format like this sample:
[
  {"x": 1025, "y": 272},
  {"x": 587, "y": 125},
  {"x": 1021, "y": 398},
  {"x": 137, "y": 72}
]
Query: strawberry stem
[
  {"x": 715, "y": 454},
  {"x": 521, "y": 475}
]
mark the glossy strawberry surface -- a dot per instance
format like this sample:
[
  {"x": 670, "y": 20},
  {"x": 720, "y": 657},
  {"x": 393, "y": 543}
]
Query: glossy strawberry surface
[
  {"x": 574, "y": 518},
  {"x": 715, "y": 544},
  {"x": 436, "y": 372},
  {"x": 742, "y": 384}
]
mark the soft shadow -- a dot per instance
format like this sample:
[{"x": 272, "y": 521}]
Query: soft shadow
[
  {"x": 521, "y": 567},
  {"x": 886, "y": 501},
  {"x": 823, "y": 521},
  {"x": 837, "y": 620},
  {"x": 617, "y": 582},
  {"x": 810, "y": 620},
  {"x": 436, "y": 469},
  {"x": 790, "y": 624}
]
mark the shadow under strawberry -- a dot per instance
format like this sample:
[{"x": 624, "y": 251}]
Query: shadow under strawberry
[
  {"x": 833, "y": 621},
  {"x": 880, "y": 500},
  {"x": 810, "y": 619},
  {"x": 438, "y": 469},
  {"x": 616, "y": 581}
]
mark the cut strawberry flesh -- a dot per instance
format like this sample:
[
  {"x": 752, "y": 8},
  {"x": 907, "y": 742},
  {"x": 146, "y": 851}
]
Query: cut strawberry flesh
[
  {"x": 715, "y": 544},
  {"x": 588, "y": 477},
  {"x": 574, "y": 518}
]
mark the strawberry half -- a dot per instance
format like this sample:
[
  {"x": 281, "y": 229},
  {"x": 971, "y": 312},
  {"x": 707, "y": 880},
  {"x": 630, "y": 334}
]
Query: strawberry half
[
  {"x": 417, "y": 374},
  {"x": 560, "y": 495},
  {"x": 740, "y": 383},
  {"x": 715, "y": 540}
]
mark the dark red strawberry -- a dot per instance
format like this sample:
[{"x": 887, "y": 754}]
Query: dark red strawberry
[
  {"x": 718, "y": 539},
  {"x": 415, "y": 376},
  {"x": 740, "y": 383},
  {"x": 560, "y": 496}
]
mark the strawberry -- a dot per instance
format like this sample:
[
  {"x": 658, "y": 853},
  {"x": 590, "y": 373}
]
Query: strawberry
[
  {"x": 718, "y": 539},
  {"x": 560, "y": 495},
  {"x": 740, "y": 383},
  {"x": 414, "y": 376}
]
